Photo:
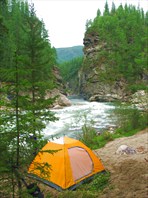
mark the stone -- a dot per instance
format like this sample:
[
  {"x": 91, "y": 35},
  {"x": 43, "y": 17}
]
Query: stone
[
  {"x": 60, "y": 101},
  {"x": 63, "y": 100},
  {"x": 126, "y": 150}
]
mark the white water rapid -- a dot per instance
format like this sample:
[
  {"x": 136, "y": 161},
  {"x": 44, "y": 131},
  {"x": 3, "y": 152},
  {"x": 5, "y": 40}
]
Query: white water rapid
[{"x": 72, "y": 118}]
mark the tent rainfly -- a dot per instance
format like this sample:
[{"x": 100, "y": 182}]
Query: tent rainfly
[{"x": 70, "y": 166}]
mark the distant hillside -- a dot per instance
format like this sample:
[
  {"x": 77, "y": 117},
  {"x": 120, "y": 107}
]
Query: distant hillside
[{"x": 69, "y": 53}]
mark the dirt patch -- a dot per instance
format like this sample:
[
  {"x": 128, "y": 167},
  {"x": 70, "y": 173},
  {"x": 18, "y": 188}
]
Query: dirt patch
[{"x": 129, "y": 173}]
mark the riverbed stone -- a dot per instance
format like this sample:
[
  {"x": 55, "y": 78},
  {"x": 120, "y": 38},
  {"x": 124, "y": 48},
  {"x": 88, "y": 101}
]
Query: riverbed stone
[{"x": 60, "y": 99}]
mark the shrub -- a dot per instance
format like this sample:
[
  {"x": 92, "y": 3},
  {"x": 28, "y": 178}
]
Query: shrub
[
  {"x": 88, "y": 136},
  {"x": 100, "y": 182},
  {"x": 107, "y": 136},
  {"x": 134, "y": 88},
  {"x": 129, "y": 118}
]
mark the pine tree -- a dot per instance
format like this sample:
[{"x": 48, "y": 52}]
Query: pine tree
[
  {"x": 106, "y": 9},
  {"x": 26, "y": 79},
  {"x": 98, "y": 12},
  {"x": 113, "y": 9}
]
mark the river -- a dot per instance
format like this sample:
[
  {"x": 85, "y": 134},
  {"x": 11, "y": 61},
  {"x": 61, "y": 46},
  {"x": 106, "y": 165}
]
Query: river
[{"x": 72, "y": 118}]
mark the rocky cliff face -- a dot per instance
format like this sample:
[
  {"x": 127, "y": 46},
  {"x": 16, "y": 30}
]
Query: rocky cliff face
[
  {"x": 59, "y": 92},
  {"x": 93, "y": 85}
]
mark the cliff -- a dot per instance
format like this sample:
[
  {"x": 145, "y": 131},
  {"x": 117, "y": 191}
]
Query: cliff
[
  {"x": 59, "y": 91},
  {"x": 96, "y": 82},
  {"x": 115, "y": 55}
]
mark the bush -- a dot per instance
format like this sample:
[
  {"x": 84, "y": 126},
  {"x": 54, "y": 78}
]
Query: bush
[
  {"x": 107, "y": 136},
  {"x": 129, "y": 118},
  {"x": 136, "y": 87},
  {"x": 88, "y": 136}
]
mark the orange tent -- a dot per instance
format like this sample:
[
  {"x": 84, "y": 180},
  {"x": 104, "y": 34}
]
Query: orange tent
[{"x": 70, "y": 165}]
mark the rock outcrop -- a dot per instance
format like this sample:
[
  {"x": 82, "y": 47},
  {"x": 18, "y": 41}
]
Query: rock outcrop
[
  {"x": 58, "y": 93},
  {"x": 95, "y": 83},
  {"x": 98, "y": 78},
  {"x": 58, "y": 80},
  {"x": 140, "y": 100}
]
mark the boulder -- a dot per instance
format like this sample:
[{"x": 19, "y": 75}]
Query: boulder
[{"x": 60, "y": 99}]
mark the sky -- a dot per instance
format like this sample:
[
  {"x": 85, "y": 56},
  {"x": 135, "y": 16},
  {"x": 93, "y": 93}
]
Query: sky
[{"x": 65, "y": 20}]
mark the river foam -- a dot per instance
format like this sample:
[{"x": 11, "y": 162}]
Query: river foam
[{"x": 72, "y": 118}]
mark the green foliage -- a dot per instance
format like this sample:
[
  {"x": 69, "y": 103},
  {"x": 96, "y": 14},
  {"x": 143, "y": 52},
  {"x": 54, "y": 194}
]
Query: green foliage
[
  {"x": 79, "y": 194},
  {"x": 129, "y": 121},
  {"x": 69, "y": 71},
  {"x": 130, "y": 118},
  {"x": 87, "y": 136},
  {"x": 99, "y": 182},
  {"x": 25, "y": 78},
  {"x": 88, "y": 133},
  {"x": 102, "y": 139},
  {"x": 89, "y": 22},
  {"x": 107, "y": 136},
  {"x": 48, "y": 195},
  {"x": 123, "y": 32},
  {"x": 135, "y": 87},
  {"x": 68, "y": 53},
  {"x": 89, "y": 189},
  {"x": 106, "y": 10}
]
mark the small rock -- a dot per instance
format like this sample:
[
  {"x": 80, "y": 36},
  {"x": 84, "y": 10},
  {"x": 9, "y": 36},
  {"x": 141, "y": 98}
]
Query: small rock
[{"x": 124, "y": 149}]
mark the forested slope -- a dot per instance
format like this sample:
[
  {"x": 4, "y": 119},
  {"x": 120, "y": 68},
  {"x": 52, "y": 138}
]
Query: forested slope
[
  {"x": 115, "y": 54},
  {"x": 69, "y": 53}
]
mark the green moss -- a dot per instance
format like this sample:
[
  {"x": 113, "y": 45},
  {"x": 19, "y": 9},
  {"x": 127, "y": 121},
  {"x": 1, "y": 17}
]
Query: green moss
[{"x": 135, "y": 87}]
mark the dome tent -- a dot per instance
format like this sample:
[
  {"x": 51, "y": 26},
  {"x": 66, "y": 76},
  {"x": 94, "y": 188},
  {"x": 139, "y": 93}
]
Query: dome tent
[{"x": 70, "y": 166}]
